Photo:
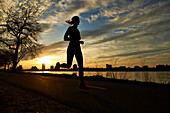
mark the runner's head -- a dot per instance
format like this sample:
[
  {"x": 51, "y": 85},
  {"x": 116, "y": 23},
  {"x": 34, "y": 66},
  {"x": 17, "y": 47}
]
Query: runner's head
[{"x": 74, "y": 21}]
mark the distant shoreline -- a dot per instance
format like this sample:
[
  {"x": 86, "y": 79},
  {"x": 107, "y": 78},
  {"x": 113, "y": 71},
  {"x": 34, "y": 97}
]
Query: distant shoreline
[{"x": 106, "y": 70}]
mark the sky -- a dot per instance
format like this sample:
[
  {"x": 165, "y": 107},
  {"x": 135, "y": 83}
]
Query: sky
[{"x": 136, "y": 32}]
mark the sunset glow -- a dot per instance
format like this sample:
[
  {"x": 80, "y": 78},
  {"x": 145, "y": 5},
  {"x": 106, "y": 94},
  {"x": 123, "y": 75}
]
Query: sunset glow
[{"x": 45, "y": 60}]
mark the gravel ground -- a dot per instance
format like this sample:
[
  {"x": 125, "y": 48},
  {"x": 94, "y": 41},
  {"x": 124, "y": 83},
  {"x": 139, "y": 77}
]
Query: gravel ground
[{"x": 15, "y": 100}]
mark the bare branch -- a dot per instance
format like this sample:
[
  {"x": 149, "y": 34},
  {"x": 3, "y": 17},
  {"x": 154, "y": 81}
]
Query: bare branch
[
  {"x": 7, "y": 44},
  {"x": 20, "y": 24}
]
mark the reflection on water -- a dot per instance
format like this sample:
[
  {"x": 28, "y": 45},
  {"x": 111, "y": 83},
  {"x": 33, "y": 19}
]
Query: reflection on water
[{"x": 157, "y": 77}]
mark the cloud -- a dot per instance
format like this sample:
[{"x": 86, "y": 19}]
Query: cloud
[
  {"x": 65, "y": 9},
  {"x": 59, "y": 45},
  {"x": 153, "y": 51},
  {"x": 145, "y": 25},
  {"x": 141, "y": 32},
  {"x": 57, "y": 49},
  {"x": 125, "y": 14}
]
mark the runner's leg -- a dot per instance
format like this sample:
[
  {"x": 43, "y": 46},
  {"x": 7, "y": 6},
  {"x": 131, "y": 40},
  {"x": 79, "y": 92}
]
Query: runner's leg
[
  {"x": 70, "y": 55},
  {"x": 79, "y": 58}
]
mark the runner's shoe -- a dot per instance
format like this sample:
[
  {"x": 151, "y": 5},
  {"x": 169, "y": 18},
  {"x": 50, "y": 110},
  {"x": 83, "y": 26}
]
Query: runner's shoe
[{"x": 83, "y": 86}]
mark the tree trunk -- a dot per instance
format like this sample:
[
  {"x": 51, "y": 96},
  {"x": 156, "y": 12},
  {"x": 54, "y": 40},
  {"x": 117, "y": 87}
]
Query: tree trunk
[
  {"x": 5, "y": 66},
  {"x": 8, "y": 66},
  {"x": 15, "y": 58},
  {"x": 15, "y": 61}
]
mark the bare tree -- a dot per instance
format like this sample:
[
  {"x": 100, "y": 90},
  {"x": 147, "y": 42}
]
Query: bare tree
[
  {"x": 114, "y": 63},
  {"x": 5, "y": 58},
  {"x": 20, "y": 29},
  {"x": 142, "y": 61}
]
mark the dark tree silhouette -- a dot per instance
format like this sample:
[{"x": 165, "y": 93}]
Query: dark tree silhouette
[
  {"x": 6, "y": 58},
  {"x": 20, "y": 29}
]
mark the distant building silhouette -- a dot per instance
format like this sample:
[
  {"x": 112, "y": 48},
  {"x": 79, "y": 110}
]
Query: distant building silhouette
[
  {"x": 108, "y": 66},
  {"x": 163, "y": 67},
  {"x": 34, "y": 68},
  {"x": 75, "y": 67},
  {"x": 52, "y": 67},
  {"x": 167, "y": 67},
  {"x": 122, "y": 68},
  {"x": 57, "y": 67},
  {"x": 43, "y": 66},
  {"x": 137, "y": 67},
  {"x": 145, "y": 67}
]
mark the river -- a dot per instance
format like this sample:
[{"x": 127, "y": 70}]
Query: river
[{"x": 162, "y": 77}]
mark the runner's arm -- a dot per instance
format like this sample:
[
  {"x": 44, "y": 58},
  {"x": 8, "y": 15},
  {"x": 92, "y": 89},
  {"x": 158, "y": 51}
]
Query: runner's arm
[{"x": 67, "y": 36}]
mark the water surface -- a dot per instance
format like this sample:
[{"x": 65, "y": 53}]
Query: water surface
[{"x": 144, "y": 76}]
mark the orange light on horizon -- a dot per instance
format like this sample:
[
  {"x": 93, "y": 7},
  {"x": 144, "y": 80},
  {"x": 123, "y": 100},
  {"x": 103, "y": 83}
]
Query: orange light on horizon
[{"x": 45, "y": 60}]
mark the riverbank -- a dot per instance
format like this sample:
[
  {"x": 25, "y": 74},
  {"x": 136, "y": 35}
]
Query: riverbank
[{"x": 17, "y": 100}]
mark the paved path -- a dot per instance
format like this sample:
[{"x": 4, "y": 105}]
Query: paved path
[
  {"x": 17, "y": 100},
  {"x": 116, "y": 98}
]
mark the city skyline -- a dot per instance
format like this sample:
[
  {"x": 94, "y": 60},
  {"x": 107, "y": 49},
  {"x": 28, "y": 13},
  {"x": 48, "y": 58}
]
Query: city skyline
[
  {"x": 126, "y": 29},
  {"x": 56, "y": 67}
]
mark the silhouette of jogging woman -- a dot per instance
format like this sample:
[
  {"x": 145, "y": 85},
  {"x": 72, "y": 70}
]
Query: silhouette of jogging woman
[{"x": 73, "y": 35}]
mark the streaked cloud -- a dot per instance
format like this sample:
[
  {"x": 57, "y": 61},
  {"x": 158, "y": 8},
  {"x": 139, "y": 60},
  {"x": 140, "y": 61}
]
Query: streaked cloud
[{"x": 138, "y": 53}]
